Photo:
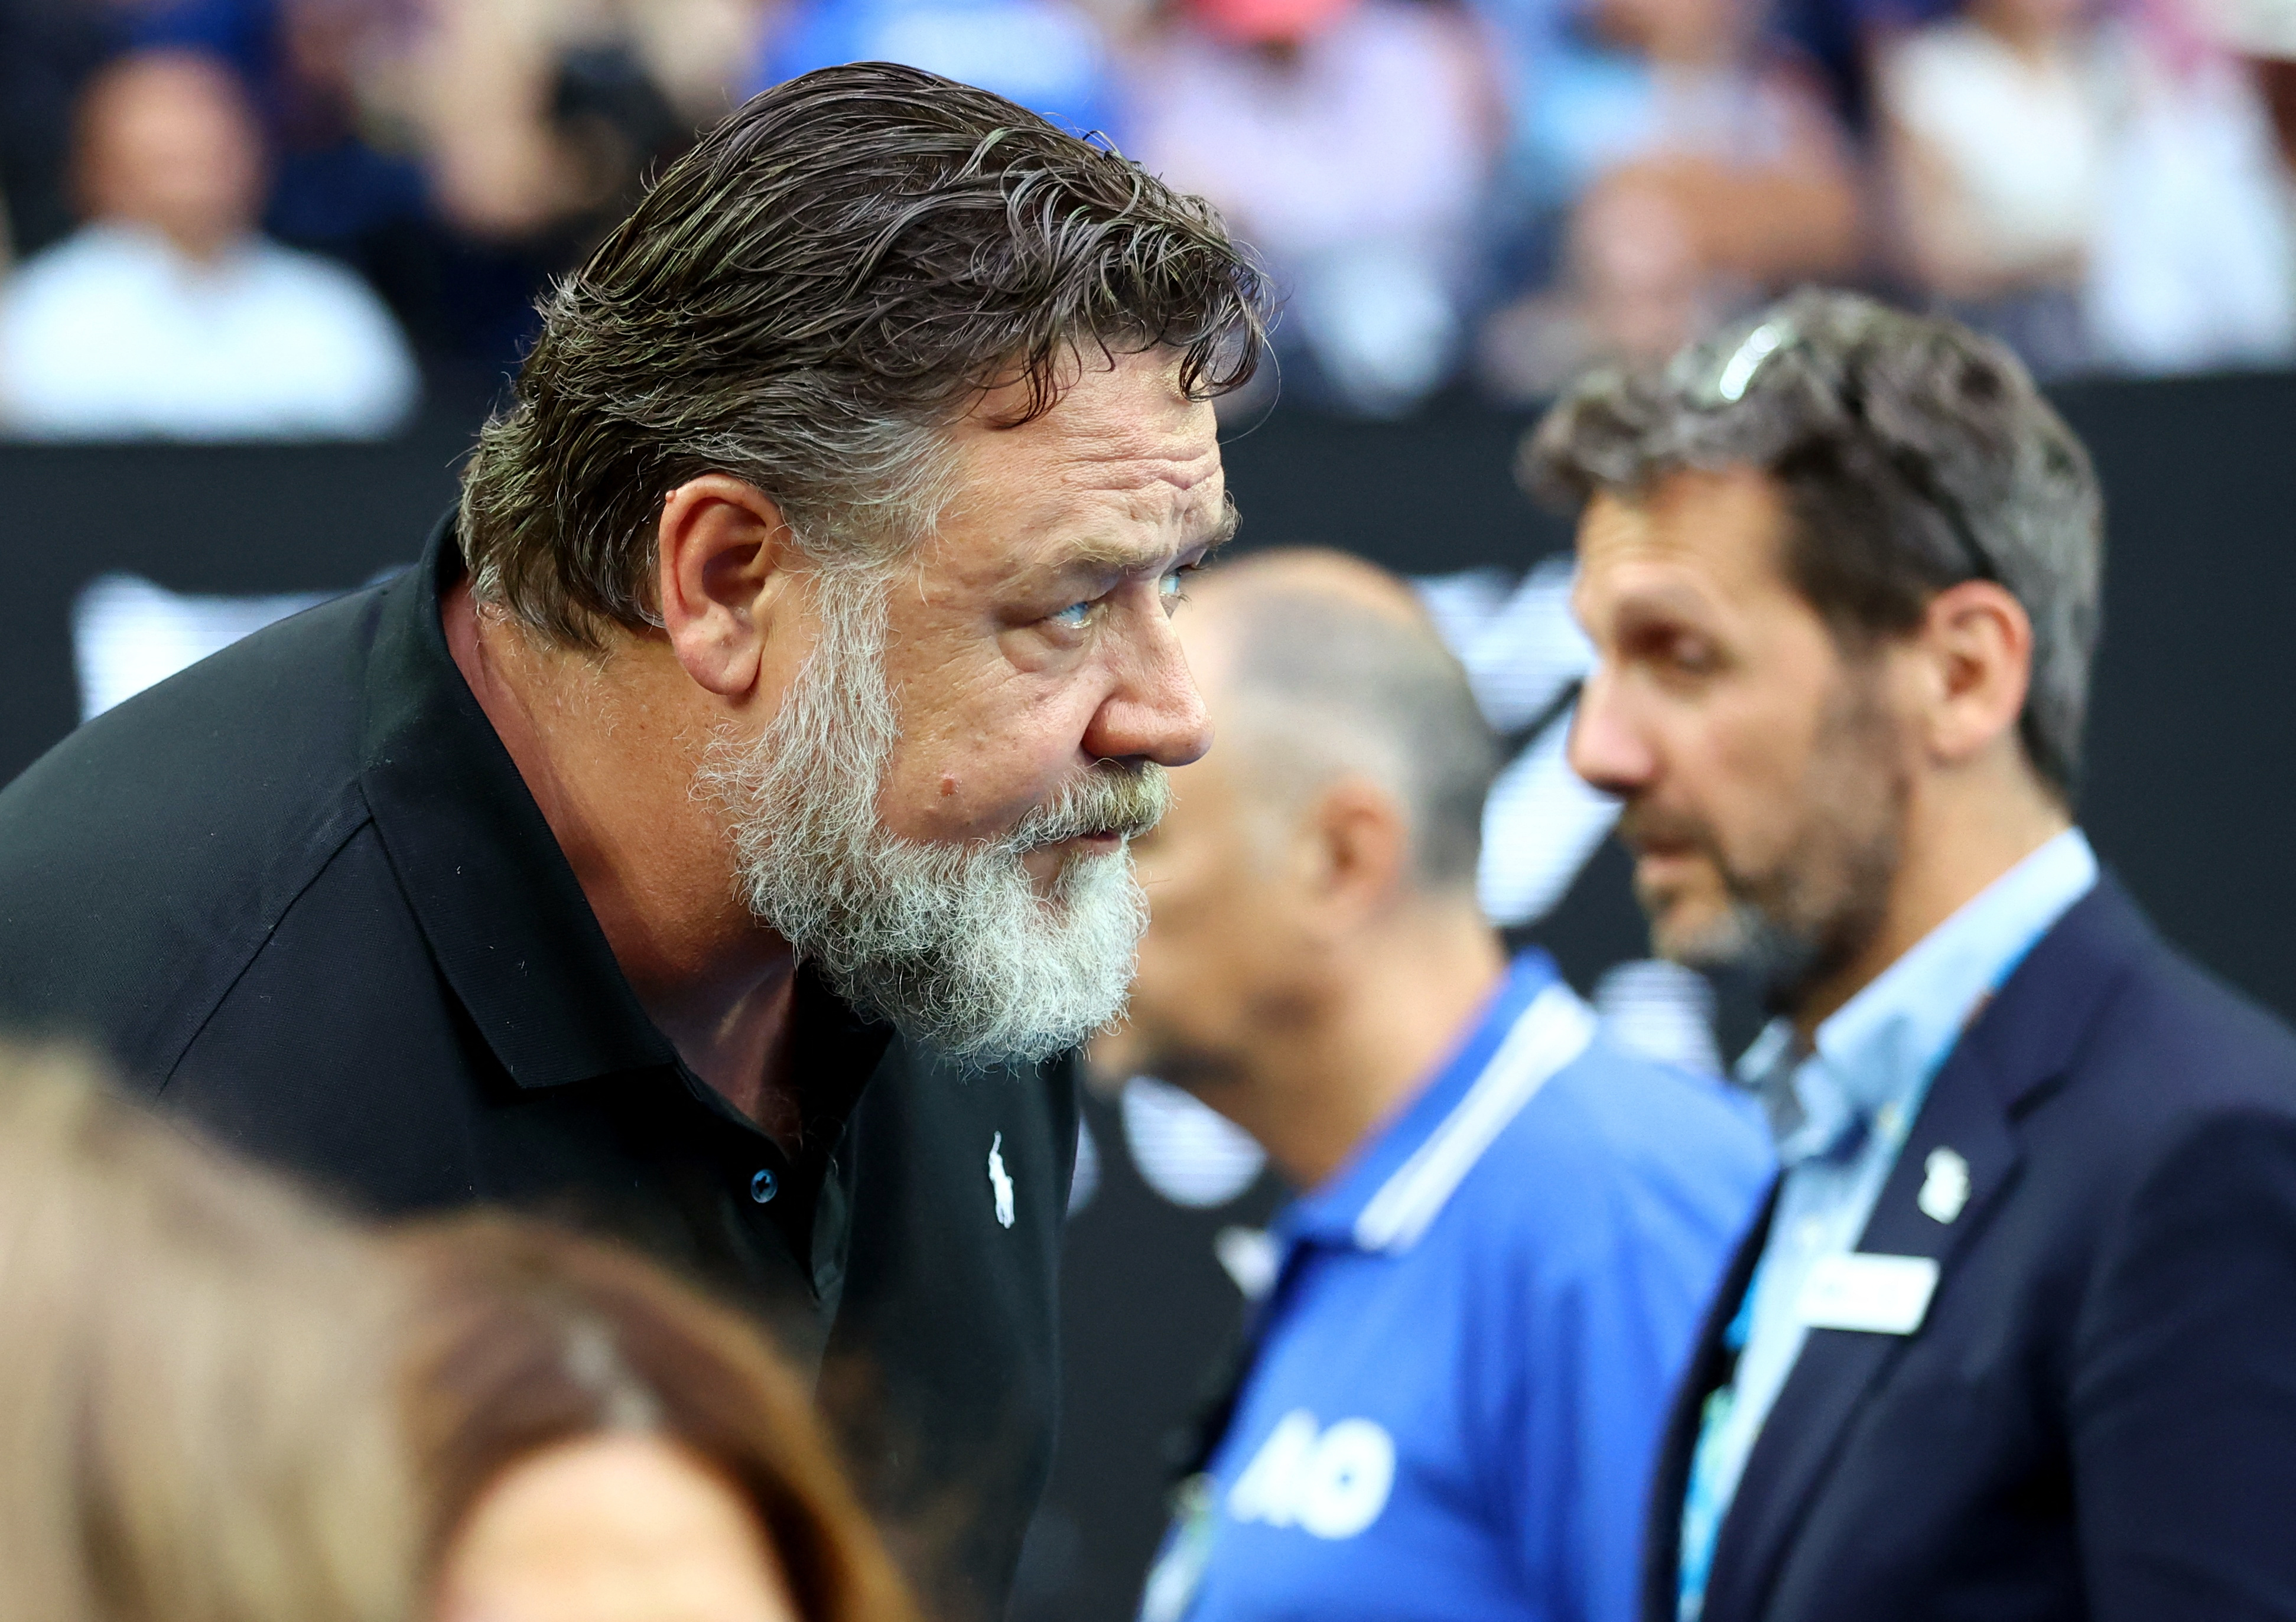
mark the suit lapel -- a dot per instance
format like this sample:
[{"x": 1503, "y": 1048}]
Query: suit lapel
[
  {"x": 2024, "y": 1037},
  {"x": 1813, "y": 1412},
  {"x": 1709, "y": 1366}
]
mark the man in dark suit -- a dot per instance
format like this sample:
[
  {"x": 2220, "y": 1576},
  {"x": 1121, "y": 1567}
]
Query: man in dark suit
[{"x": 2016, "y": 1338}]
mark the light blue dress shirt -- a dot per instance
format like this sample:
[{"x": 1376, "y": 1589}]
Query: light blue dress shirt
[{"x": 1858, "y": 1094}]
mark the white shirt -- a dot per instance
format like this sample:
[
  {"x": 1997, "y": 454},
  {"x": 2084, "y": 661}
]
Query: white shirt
[
  {"x": 114, "y": 334},
  {"x": 1367, "y": 133},
  {"x": 2022, "y": 140}
]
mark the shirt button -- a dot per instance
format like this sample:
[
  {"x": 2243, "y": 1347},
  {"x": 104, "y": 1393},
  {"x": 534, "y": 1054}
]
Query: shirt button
[{"x": 763, "y": 1186}]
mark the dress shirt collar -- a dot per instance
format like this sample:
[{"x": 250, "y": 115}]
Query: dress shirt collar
[{"x": 1875, "y": 1055}]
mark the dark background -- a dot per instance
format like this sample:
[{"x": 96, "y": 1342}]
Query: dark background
[{"x": 2188, "y": 779}]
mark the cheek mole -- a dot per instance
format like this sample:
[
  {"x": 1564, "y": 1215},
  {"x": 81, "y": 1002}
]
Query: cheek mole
[{"x": 948, "y": 785}]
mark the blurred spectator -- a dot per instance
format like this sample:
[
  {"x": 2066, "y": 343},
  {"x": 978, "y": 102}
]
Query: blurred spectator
[
  {"x": 1506, "y": 1227},
  {"x": 1995, "y": 136},
  {"x": 47, "y": 50},
  {"x": 1349, "y": 142},
  {"x": 196, "y": 1417},
  {"x": 539, "y": 121},
  {"x": 2264, "y": 33},
  {"x": 2193, "y": 261},
  {"x": 345, "y": 180},
  {"x": 459, "y": 154},
  {"x": 169, "y": 315},
  {"x": 220, "y": 1403},
  {"x": 542, "y": 118},
  {"x": 1669, "y": 164},
  {"x": 597, "y": 1445},
  {"x": 2098, "y": 194},
  {"x": 1048, "y": 55}
]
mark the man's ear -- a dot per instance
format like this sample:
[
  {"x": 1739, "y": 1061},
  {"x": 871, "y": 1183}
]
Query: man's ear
[
  {"x": 723, "y": 557},
  {"x": 1979, "y": 645},
  {"x": 1358, "y": 848}
]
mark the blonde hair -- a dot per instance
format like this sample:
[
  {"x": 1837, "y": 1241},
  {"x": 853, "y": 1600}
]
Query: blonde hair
[{"x": 196, "y": 1413}]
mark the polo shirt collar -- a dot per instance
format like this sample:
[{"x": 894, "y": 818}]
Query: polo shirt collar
[
  {"x": 1398, "y": 1179},
  {"x": 497, "y": 901}
]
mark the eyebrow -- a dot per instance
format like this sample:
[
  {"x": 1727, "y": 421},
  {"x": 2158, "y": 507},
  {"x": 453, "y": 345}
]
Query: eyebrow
[
  {"x": 1225, "y": 530},
  {"x": 1667, "y": 600},
  {"x": 1103, "y": 555}
]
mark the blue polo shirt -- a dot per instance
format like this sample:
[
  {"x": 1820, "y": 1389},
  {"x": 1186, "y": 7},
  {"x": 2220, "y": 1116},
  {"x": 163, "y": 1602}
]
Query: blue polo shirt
[{"x": 1458, "y": 1381}]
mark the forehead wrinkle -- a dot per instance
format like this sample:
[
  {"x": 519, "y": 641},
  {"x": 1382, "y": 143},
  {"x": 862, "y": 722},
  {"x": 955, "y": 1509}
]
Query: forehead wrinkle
[
  {"x": 1630, "y": 552},
  {"x": 1181, "y": 516},
  {"x": 1119, "y": 458},
  {"x": 1100, "y": 551},
  {"x": 1665, "y": 597},
  {"x": 1063, "y": 536},
  {"x": 1098, "y": 484},
  {"x": 1119, "y": 466}
]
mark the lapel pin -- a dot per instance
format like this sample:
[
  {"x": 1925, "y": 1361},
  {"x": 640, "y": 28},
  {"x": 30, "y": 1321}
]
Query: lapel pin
[{"x": 1945, "y": 1189}]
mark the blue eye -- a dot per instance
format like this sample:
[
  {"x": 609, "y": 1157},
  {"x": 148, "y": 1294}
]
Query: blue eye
[{"x": 1076, "y": 616}]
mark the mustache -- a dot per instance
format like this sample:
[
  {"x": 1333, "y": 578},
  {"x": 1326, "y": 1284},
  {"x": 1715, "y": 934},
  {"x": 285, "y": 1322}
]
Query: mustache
[
  {"x": 1125, "y": 799},
  {"x": 1642, "y": 826}
]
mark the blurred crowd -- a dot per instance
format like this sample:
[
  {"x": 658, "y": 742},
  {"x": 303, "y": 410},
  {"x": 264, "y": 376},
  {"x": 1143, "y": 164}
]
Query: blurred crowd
[
  {"x": 246, "y": 217},
  {"x": 223, "y": 1400}
]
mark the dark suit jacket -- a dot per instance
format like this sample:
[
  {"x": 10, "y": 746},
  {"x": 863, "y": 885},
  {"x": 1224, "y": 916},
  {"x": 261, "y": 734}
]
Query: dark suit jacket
[{"x": 2097, "y": 1416}]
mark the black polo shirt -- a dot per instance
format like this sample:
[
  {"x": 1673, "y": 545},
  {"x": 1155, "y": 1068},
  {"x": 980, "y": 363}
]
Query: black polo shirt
[{"x": 301, "y": 894}]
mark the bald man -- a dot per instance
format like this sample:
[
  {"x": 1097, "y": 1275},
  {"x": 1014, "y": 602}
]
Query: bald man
[{"x": 1505, "y": 1227}]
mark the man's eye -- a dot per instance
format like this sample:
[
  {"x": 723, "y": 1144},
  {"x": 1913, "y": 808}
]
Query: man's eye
[
  {"x": 1173, "y": 588},
  {"x": 1674, "y": 650},
  {"x": 1693, "y": 655},
  {"x": 1076, "y": 616}
]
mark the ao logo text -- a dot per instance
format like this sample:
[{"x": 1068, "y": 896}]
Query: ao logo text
[{"x": 1329, "y": 1483}]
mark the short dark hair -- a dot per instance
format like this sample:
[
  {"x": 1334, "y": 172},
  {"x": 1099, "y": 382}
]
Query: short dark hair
[
  {"x": 806, "y": 300},
  {"x": 1915, "y": 454}
]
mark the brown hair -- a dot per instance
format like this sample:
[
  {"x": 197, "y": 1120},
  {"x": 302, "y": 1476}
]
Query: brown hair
[
  {"x": 806, "y": 300},
  {"x": 197, "y": 1418},
  {"x": 522, "y": 1336},
  {"x": 1914, "y": 455}
]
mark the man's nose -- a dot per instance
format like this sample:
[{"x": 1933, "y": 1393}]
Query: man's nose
[
  {"x": 1155, "y": 712},
  {"x": 1605, "y": 748}
]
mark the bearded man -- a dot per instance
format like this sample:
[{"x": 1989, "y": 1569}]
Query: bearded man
[
  {"x": 2015, "y": 1338},
  {"x": 721, "y": 837}
]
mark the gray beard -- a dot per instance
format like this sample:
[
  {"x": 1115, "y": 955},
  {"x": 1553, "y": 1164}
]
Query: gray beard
[
  {"x": 950, "y": 942},
  {"x": 1774, "y": 961}
]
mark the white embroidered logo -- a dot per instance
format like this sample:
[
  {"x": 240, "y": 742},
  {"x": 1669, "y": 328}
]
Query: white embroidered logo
[
  {"x": 1945, "y": 1186},
  {"x": 1000, "y": 1181},
  {"x": 1330, "y": 1483}
]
